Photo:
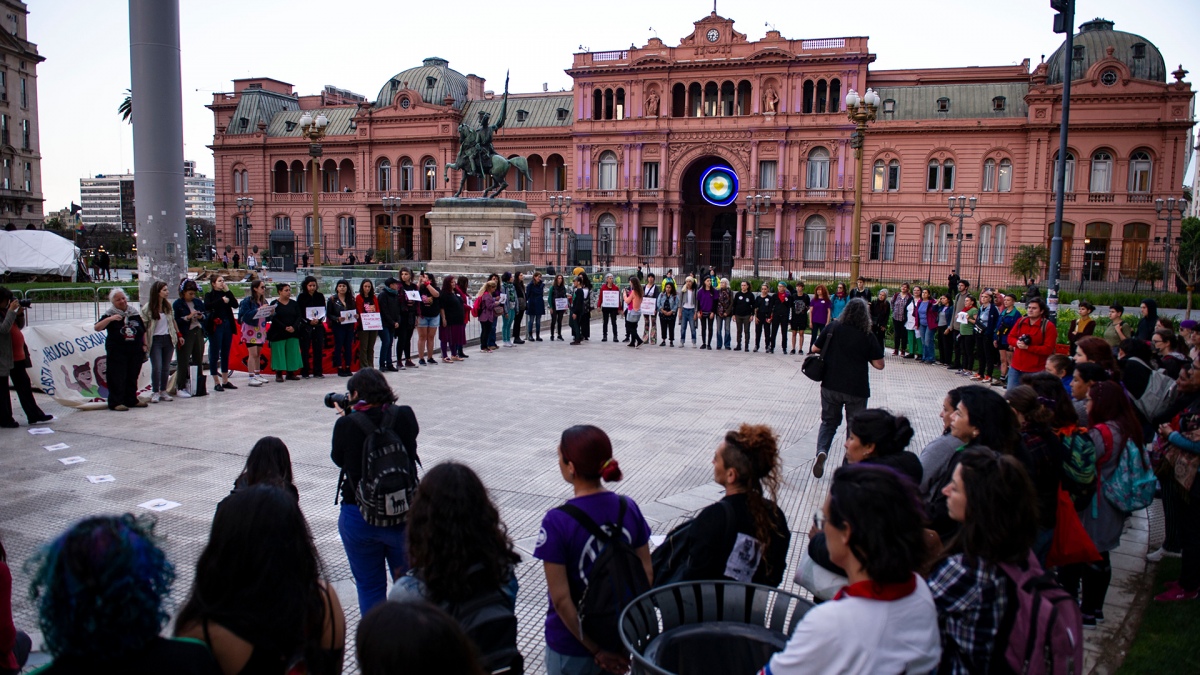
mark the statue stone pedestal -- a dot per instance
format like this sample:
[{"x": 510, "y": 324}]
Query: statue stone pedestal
[{"x": 480, "y": 236}]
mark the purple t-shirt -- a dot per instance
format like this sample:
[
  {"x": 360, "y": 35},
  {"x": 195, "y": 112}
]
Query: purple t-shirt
[
  {"x": 820, "y": 310},
  {"x": 563, "y": 541}
]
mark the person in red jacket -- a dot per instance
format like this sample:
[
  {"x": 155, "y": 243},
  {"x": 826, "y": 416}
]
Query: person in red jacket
[{"x": 1033, "y": 339}]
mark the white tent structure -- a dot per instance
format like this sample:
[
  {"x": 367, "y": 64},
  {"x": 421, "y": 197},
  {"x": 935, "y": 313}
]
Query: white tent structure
[{"x": 37, "y": 252}]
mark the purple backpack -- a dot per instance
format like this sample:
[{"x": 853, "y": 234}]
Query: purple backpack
[{"x": 1042, "y": 631}]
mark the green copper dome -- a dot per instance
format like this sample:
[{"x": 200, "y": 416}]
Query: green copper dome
[
  {"x": 433, "y": 79},
  {"x": 1091, "y": 45}
]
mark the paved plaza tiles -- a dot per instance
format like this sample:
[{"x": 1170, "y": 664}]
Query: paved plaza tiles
[{"x": 665, "y": 409}]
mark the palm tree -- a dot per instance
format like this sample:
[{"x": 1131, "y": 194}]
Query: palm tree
[{"x": 126, "y": 107}]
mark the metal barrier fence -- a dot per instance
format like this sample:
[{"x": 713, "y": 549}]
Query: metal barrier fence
[{"x": 70, "y": 303}]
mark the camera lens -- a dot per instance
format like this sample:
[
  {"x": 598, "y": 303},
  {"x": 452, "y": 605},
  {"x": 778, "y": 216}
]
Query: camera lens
[
  {"x": 25, "y": 302},
  {"x": 342, "y": 400}
]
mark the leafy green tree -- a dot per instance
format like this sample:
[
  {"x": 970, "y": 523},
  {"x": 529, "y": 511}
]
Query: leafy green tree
[
  {"x": 1187, "y": 263},
  {"x": 1029, "y": 260}
]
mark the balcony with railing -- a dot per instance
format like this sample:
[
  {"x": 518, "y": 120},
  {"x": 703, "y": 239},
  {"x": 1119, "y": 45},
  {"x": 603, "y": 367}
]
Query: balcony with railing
[{"x": 1101, "y": 198}]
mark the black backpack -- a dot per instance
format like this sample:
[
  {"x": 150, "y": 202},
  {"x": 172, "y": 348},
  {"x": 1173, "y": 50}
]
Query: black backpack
[
  {"x": 617, "y": 577},
  {"x": 385, "y": 488},
  {"x": 492, "y": 627},
  {"x": 670, "y": 559}
]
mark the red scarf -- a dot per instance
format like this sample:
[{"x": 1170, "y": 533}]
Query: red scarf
[
  {"x": 874, "y": 590},
  {"x": 783, "y": 296}
]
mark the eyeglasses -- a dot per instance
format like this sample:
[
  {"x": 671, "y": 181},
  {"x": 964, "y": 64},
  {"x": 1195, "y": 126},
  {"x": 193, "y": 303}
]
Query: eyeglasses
[{"x": 819, "y": 520}]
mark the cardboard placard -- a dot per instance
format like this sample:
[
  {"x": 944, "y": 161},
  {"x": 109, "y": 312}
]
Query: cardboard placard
[
  {"x": 415, "y": 296},
  {"x": 610, "y": 299},
  {"x": 317, "y": 313},
  {"x": 560, "y": 304},
  {"x": 372, "y": 321},
  {"x": 349, "y": 316}
]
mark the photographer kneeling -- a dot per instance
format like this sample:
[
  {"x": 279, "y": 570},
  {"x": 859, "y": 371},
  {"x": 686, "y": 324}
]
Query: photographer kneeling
[{"x": 375, "y": 445}]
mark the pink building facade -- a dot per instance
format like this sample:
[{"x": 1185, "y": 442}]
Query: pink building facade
[{"x": 632, "y": 140}]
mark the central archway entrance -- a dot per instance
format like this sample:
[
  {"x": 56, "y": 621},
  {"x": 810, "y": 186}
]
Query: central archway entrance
[{"x": 710, "y": 223}]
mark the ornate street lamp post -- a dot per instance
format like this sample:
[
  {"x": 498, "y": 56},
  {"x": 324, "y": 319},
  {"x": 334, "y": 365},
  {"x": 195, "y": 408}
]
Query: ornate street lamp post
[
  {"x": 390, "y": 206},
  {"x": 244, "y": 206},
  {"x": 559, "y": 206},
  {"x": 860, "y": 111},
  {"x": 961, "y": 208},
  {"x": 314, "y": 131},
  {"x": 757, "y": 205},
  {"x": 1166, "y": 211}
]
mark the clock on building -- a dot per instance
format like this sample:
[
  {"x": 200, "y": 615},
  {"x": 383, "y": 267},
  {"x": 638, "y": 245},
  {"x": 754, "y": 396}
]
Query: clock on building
[{"x": 713, "y": 35}]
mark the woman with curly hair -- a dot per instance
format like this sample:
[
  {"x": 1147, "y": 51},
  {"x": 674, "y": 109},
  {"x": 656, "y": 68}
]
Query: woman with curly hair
[
  {"x": 745, "y": 536},
  {"x": 884, "y": 621},
  {"x": 100, "y": 588},
  {"x": 459, "y": 549},
  {"x": 258, "y": 600}
]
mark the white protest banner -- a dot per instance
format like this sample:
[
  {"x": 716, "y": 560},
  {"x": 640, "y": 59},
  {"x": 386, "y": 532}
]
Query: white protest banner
[
  {"x": 372, "y": 321},
  {"x": 349, "y": 316},
  {"x": 70, "y": 364},
  {"x": 649, "y": 306},
  {"x": 317, "y": 313},
  {"x": 560, "y": 304},
  {"x": 610, "y": 299}
]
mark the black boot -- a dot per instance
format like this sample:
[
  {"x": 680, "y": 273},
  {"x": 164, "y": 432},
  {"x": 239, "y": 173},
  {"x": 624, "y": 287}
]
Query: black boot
[{"x": 201, "y": 382}]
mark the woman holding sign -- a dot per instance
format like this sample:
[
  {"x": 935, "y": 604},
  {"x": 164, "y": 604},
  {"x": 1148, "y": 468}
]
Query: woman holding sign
[
  {"x": 252, "y": 331},
  {"x": 125, "y": 346},
  {"x": 430, "y": 319},
  {"x": 610, "y": 306},
  {"x": 342, "y": 314},
  {"x": 220, "y": 303},
  {"x": 559, "y": 305},
  {"x": 284, "y": 334},
  {"x": 633, "y": 312},
  {"x": 370, "y": 322}
]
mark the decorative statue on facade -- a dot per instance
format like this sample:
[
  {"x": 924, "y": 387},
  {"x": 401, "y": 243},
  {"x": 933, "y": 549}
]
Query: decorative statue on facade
[
  {"x": 652, "y": 104},
  {"x": 771, "y": 100},
  {"x": 477, "y": 157}
]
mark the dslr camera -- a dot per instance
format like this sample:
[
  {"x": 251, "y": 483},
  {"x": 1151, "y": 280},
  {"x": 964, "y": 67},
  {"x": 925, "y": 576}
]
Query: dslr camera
[
  {"x": 342, "y": 400},
  {"x": 1025, "y": 340},
  {"x": 25, "y": 302}
]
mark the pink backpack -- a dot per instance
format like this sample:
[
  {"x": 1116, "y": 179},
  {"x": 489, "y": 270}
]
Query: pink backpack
[{"x": 1042, "y": 632}]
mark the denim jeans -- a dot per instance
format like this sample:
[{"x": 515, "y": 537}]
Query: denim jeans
[
  {"x": 723, "y": 336},
  {"x": 343, "y": 345},
  {"x": 160, "y": 361},
  {"x": 928, "y": 340},
  {"x": 1014, "y": 378},
  {"x": 561, "y": 664},
  {"x": 219, "y": 343},
  {"x": 385, "y": 349},
  {"x": 372, "y": 551},
  {"x": 687, "y": 319},
  {"x": 506, "y": 329}
]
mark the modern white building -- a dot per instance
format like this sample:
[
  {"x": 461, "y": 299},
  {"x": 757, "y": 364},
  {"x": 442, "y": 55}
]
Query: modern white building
[{"x": 108, "y": 199}]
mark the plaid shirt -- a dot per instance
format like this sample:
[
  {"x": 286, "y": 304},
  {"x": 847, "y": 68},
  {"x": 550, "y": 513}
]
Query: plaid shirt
[{"x": 971, "y": 596}]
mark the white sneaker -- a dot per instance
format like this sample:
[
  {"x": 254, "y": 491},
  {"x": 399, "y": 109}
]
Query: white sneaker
[
  {"x": 254, "y": 382},
  {"x": 155, "y": 397},
  {"x": 165, "y": 396},
  {"x": 183, "y": 393},
  {"x": 1157, "y": 555}
]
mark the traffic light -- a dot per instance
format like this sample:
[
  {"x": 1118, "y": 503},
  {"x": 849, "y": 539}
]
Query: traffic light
[{"x": 1065, "y": 16}]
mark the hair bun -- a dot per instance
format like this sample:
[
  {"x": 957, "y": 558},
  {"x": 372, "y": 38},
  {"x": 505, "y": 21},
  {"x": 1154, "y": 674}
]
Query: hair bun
[
  {"x": 610, "y": 471},
  {"x": 902, "y": 432}
]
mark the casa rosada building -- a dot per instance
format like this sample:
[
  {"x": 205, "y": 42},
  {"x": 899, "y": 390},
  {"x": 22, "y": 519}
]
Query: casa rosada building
[{"x": 633, "y": 139}]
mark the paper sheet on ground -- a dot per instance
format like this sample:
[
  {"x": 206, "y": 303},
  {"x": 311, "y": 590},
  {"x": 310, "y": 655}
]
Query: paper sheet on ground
[
  {"x": 37, "y": 431},
  {"x": 56, "y": 447},
  {"x": 72, "y": 460},
  {"x": 159, "y": 505},
  {"x": 101, "y": 479}
]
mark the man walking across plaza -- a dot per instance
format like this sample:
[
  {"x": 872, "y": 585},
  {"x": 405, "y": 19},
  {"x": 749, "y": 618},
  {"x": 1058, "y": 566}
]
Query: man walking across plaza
[{"x": 848, "y": 347}]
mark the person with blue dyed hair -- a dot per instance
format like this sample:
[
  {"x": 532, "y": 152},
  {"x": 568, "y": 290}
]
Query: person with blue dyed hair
[{"x": 100, "y": 590}]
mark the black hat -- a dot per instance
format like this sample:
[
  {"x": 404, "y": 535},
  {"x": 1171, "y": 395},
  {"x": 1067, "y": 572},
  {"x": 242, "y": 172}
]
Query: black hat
[{"x": 390, "y": 281}]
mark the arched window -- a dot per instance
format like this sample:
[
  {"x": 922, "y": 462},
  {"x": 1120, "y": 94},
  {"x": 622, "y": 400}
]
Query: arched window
[
  {"x": 1139, "y": 171},
  {"x": 818, "y": 169},
  {"x": 620, "y": 105},
  {"x": 711, "y": 93},
  {"x": 1135, "y": 239},
  {"x": 879, "y": 177},
  {"x": 383, "y": 175},
  {"x": 548, "y": 235},
  {"x": 607, "y": 226},
  {"x": 406, "y": 174},
  {"x": 808, "y": 96},
  {"x": 296, "y": 177},
  {"x": 1069, "y": 181},
  {"x": 695, "y": 100},
  {"x": 329, "y": 176},
  {"x": 237, "y": 181},
  {"x": 597, "y": 104},
  {"x": 678, "y": 100},
  {"x": 1005, "y": 179},
  {"x": 608, "y": 171},
  {"x": 1101, "y": 180},
  {"x": 989, "y": 175},
  {"x": 883, "y": 241},
  {"x": 283, "y": 222},
  {"x": 822, "y": 94},
  {"x": 1000, "y": 237},
  {"x": 347, "y": 236},
  {"x": 608, "y": 104},
  {"x": 943, "y": 241},
  {"x": 728, "y": 99},
  {"x": 985, "y": 243},
  {"x": 941, "y": 176},
  {"x": 280, "y": 181},
  {"x": 928, "y": 242},
  {"x": 893, "y": 176},
  {"x": 886, "y": 178},
  {"x": 743, "y": 97},
  {"x": 429, "y": 174},
  {"x": 815, "y": 230},
  {"x": 835, "y": 94}
]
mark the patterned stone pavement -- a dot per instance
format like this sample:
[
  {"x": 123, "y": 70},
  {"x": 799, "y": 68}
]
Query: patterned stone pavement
[{"x": 665, "y": 409}]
